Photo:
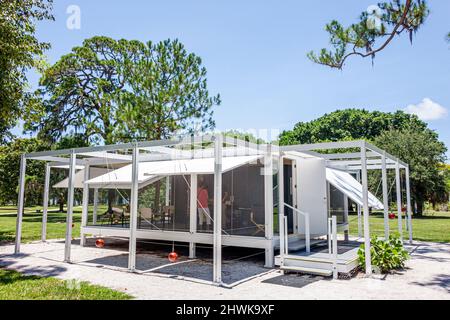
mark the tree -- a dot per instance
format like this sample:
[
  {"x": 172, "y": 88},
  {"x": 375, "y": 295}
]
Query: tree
[
  {"x": 417, "y": 144},
  {"x": 349, "y": 124},
  {"x": 374, "y": 31},
  {"x": 424, "y": 153},
  {"x": 19, "y": 51},
  {"x": 117, "y": 91},
  {"x": 10, "y": 154}
]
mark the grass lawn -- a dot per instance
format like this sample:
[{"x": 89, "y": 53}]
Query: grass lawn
[
  {"x": 16, "y": 286},
  {"x": 433, "y": 226}
]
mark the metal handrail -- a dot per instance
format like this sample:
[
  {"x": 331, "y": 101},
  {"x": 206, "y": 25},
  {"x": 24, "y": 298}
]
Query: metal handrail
[{"x": 307, "y": 231}]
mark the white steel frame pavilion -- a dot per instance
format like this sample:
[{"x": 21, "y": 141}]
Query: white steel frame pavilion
[{"x": 217, "y": 147}]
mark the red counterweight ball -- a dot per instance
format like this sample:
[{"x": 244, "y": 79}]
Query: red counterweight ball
[
  {"x": 173, "y": 257},
  {"x": 99, "y": 243}
]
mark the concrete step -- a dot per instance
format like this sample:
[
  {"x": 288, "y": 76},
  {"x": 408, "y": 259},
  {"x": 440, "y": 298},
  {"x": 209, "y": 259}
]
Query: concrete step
[{"x": 314, "y": 271}]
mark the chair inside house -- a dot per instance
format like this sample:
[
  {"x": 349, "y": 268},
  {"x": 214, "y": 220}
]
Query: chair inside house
[
  {"x": 260, "y": 227},
  {"x": 147, "y": 215}
]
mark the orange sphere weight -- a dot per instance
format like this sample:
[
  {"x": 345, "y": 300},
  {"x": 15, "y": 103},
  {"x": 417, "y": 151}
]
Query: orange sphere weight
[
  {"x": 99, "y": 243},
  {"x": 173, "y": 257}
]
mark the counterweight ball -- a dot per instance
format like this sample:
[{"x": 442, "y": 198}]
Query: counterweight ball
[{"x": 173, "y": 257}]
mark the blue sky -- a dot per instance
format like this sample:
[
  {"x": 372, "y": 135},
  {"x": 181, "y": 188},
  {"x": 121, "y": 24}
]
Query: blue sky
[{"x": 255, "y": 54}]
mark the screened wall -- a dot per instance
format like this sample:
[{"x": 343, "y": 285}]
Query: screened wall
[{"x": 336, "y": 204}]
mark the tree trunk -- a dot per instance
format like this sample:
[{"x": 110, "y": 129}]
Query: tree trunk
[
  {"x": 420, "y": 205},
  {"x": 111, "y": 198}
]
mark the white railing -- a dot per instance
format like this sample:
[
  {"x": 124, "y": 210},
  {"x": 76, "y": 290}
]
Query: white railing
[
  {"x": 333, "y": 244},
  {"x": 307, "y": 229}
]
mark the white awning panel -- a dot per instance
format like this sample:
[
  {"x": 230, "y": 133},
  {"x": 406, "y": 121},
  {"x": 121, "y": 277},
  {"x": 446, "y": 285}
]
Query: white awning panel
[
  {"x": 79, "y": 178},
  {"x": 151, "y": 170},
  {"x": 348, "y": 185}
]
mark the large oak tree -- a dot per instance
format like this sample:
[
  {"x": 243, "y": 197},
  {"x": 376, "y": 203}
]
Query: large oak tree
[{"x": 119, "y": 90}]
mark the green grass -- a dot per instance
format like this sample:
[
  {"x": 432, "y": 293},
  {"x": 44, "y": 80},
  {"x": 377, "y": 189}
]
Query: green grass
[
  {"x": 32, "y": 223},
  {"x": 433, "y": 226},
  {"x": 16, "y": 286}
]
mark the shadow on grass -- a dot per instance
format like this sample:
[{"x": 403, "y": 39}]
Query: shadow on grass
[{"x": 12, "y": 261}]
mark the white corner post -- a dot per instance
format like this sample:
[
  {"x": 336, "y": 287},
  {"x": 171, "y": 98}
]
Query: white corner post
[
  {"x": 133, "y": 209},
  {"x": 398, "y": 192},
  {"x": 360, "y": 226},
  {"x": 281, "y": 226},
  {"x": 70, "y": 201},
  {"x": 85, "y": 204},
  {"x": 365, "y": 194},
  {"x": 193, "y": 214},
  {"x": 385, "y": 195},
  {"x": 335, "y": 246},
  {"x": 94, "y": 210},
  {"x": 268, "y": 206},
  {"x": 217, "y": 250},
  {"x": 45, "y": 203},
  {"x": 408, "y": 204},
  {"x": 20, "y": 203}
]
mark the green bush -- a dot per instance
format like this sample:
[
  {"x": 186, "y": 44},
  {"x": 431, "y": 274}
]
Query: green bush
[{"x": 386, "y": 255}]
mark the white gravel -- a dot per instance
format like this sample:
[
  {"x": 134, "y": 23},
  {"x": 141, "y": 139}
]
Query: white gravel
[{"x": 427, "y": 276}]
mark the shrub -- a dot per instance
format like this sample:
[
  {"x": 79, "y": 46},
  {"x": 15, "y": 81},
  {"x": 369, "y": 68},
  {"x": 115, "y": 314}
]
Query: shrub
[{"x": 386, "y": 255}]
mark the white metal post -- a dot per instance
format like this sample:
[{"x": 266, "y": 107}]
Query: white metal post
[
  {"x": 85, "y": 204},
  {"x": 268, "y": 205},
  {"x": 335, "y": 246},
  {"x": 20, "y": 203},
  {"x": 218, "y": 145},
  {"x": 385, "y": 195},
  {"x": 399, "y": 199},
  {"x": 167, "y": 202},
  {"x": 281, "y": 227},
  {"x": 408, "y": 204},
  {"x": 70, "y": 203},
  {"x": 133, "y": 209},
  {"x": 365, "y": 185},
  {"x": 193, "y": 214},
  {"x": 45, "y": 203},
  {"x": 360, "y": 227},
  {"x": 94, "y": 213}
]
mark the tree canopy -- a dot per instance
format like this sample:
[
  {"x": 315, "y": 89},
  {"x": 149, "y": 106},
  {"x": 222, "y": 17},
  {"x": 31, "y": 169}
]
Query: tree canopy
[
  {"x": 425, "y": 154},
  {"x": 20, "y": 51},
  {"x": 119, "y": 90},
  {"x": 403, "y": 135},
  {"x": 349, "y": 124},
  {"x": 376, "y": 28}
]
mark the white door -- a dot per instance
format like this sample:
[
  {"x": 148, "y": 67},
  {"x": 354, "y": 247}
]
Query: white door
[{"x": 311, "y": 196}]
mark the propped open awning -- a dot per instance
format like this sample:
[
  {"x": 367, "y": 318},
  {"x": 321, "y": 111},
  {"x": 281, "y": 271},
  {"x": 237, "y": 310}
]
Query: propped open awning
[
  {"x": 79, "y": 178},
  {"x": 149, "y": 171},
  {"x": 348, "y": 185}
]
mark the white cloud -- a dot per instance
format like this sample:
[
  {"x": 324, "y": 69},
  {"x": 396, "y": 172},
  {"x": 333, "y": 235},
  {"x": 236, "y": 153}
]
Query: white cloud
[{"x": 427, "y": 110}]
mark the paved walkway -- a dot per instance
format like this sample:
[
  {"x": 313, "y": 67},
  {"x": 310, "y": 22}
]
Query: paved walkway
[{"x": 427, "y": 277}]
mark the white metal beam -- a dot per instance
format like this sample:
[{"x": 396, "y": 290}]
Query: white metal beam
[
  {"x": 281, "y": 225},
  {"x": 268, "y": 205},
  {"x": 193, "y": 214},
  {"x": 85, "y": 205},
  {"x": 20, "y": 203},
  {"x": 70, "y": 203},
  {"x": 133, "y": 210},
  {"x": 398, "y": 192},
  {"x": 365, "y": 185},
  {"x": 385, "y": 196},
  {"x": 408, "y": 204},
  {"x": 45, "y": 203},
  {"x": 217, "y": 249}
]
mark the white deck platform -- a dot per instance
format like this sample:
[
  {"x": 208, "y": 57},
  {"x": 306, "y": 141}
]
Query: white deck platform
[{"x": 319, "y": 260}]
